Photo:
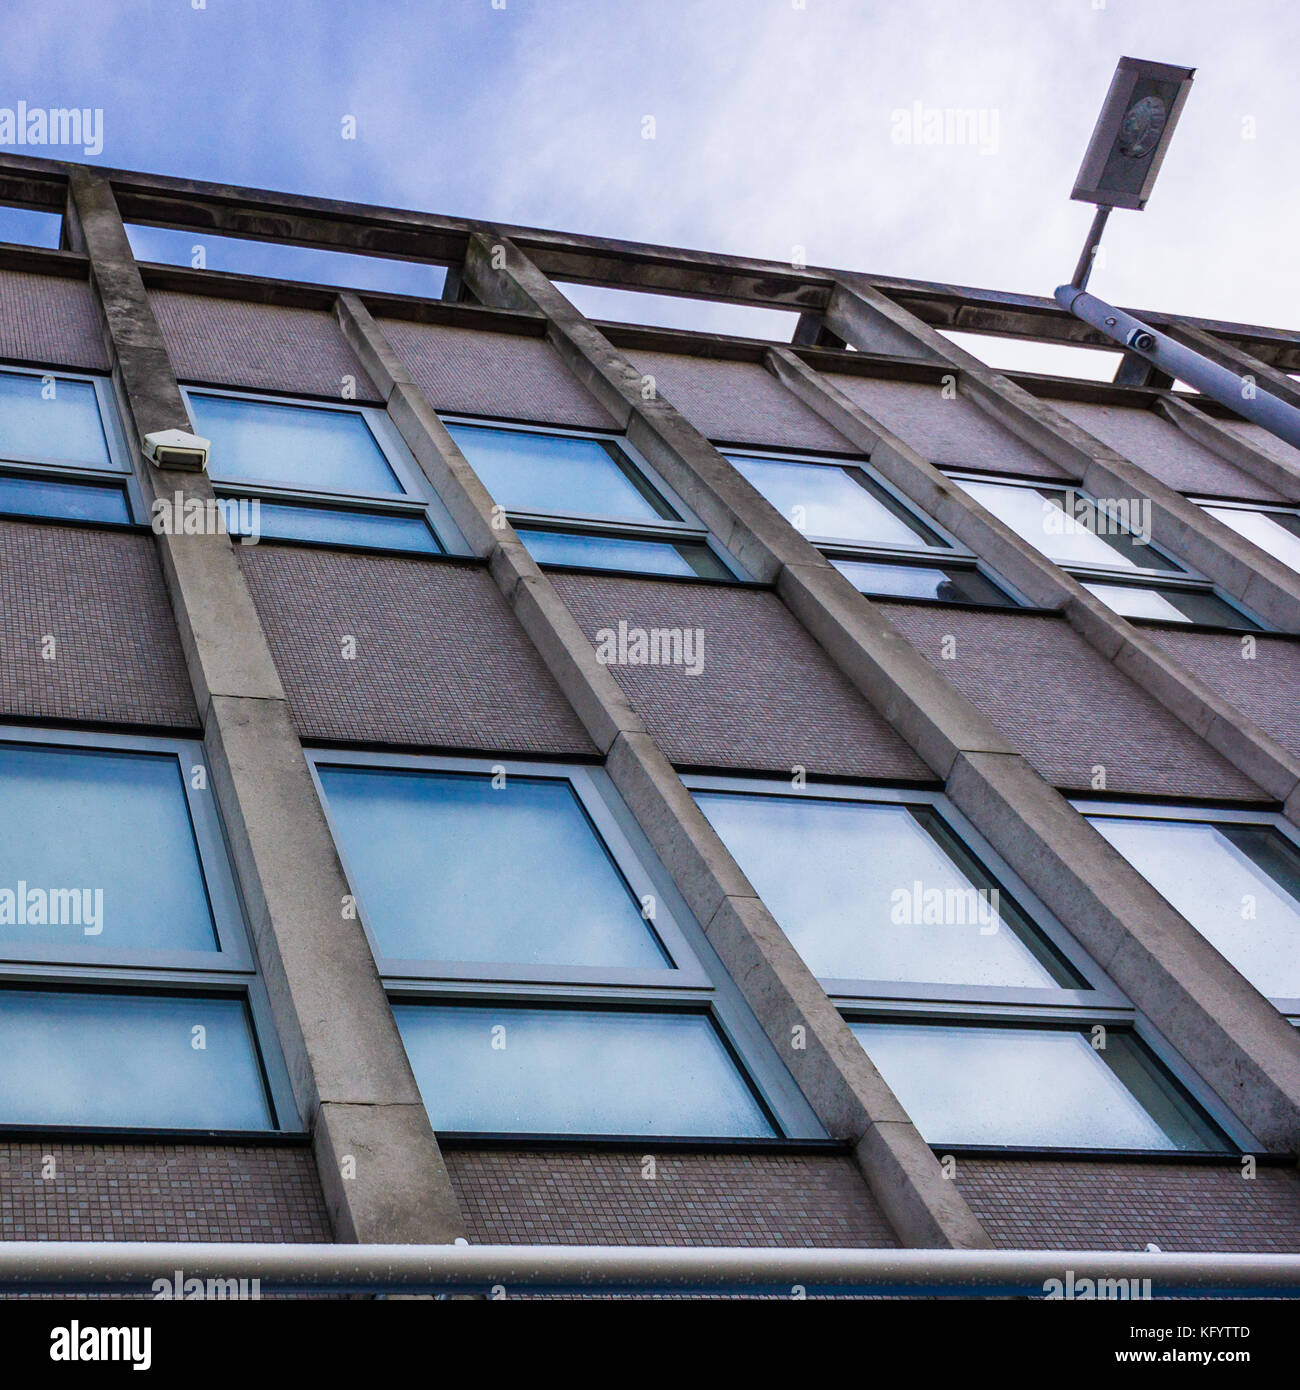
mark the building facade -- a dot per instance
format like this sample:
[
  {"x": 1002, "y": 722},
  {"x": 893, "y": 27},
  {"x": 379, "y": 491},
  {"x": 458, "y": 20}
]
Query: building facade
[{"x": 548, "y": 781}]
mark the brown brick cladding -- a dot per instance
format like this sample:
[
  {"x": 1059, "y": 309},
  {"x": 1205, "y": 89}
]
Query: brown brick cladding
[
  {"x": 739, "y": 402},
  {"x": 946, "y": 429},
  {"x": 568, "y": 1197},
  {"x": 1065, "y": 707},
  {"x": 440, "y": 659},
  {"x": 49, "y": 320},
  {"x": 1264, "y": 686},
  {"x": 160, "y": 1192},
  {"x": 471, "y": 372},
  {"x": 767, "y": 696},
  {"x": 258, "y": 347},
  {"x": 100, "y": 596},
  {"x": 1165, "y": 451},
  {"x": 1041, "y": 1204}
]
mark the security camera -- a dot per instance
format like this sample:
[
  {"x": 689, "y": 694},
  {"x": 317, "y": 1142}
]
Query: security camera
[{"x": 177, "y": 449}]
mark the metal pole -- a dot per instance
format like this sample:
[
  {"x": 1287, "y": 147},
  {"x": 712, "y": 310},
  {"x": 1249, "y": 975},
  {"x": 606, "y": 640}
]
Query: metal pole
[
  {"x": 1089, "y": 253},
  {"x": 1239, "y": 393},
  {"x": 151, "y": 1268}
]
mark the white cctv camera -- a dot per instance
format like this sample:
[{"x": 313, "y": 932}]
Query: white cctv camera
[{"x": 177, "y": 449}]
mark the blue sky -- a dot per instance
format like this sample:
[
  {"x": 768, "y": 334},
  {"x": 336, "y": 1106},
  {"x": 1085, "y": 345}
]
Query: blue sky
[{"x": 776, "y": 124}]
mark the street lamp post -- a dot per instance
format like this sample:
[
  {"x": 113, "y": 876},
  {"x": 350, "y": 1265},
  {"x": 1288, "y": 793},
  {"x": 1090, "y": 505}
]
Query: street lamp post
[{"x": 1124, "y": 155}]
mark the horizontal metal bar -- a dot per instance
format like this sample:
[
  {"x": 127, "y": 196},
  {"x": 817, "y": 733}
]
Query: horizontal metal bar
[{"x": 145, "y": 1266}]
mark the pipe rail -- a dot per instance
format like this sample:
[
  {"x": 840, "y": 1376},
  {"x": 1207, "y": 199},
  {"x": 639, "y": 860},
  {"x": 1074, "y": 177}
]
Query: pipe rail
[{"x": 141, "y": 1267}]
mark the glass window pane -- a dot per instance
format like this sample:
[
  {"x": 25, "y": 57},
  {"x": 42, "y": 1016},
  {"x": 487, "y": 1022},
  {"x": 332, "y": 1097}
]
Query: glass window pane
[
  {"x": 1171, "y": 605},
  {"x": 1049, "y": 519},
  {"x": 52, "y": 497},
  {"x": 333, "y": 526},
  {"x": 1277, "y": 533},
  {"x": 64, "y": 427},
  {"x": 559, "y": 473},
  {"x": 449, "y": 867},
  {"x": 99, "y": 834},
  {"x": 622, "y": 553},
  {"x": 291, "y": 446},
  {"x": 944, "y": 583},
  {"x": 834, "y": 503},
  {"x": 1031, "y": 1087},
  {"x": 1238, "y": 885},
  {"x": 79, "y": 1058},
  {"x": 867, "y": 891},
  {"x": 576, "y": 1071}
]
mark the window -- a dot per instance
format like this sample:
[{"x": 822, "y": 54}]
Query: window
[
  {"x": 320, "y": 474},
  {"x": 584, "y": 500},
  {"x": 1032, "y": 1088},
  {"x": 129, "y": 996},
  {"x": 868, "y": 532},
  {"x": 1106, "y": 545},
  {"x": 1276, "y": 530},
  {"x": 545, "y": 976},
  {"x": 981, "y": 1012},
  {"x": 1234, "y": 875},
  {"x": 62, "y": 454}
]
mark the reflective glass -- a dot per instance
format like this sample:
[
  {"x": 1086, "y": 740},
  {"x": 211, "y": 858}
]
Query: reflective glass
[
  {"x": 162, "y": 1061},
  {"x": 622, "y": 553},
  {"x": 52, "y": 497},
  {"x": 81, "y": 828},
  {"x": 291, "y": 446},
  {"x": 833, "y": 503},
  {"x": 1277, "y": 533},
  {"x": 577, "y": 1071},
  {"x": 1171, "y": 605},
  {"x": 63, "y": 426},
  {"x": 528, "y": 472},
  {"x": 1040, "y": 516},
  {"x": 870, "y": 891},
  {"x": 944, "y": 583},
  {"x": 1237, "y": 884},
  {"x": 333, "y": 526},
  {"x": 1031, "y": 1087},
  {"x": 449, "y": 867}
]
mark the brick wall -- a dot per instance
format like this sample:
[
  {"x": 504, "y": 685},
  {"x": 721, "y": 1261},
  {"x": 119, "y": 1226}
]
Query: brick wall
[
  {"x": 440, "y": 659},
  {"x": 507, "y": 375},
  {"x": 160, "y": 1192},
  {"x": 766, "y": 696},
  {"x": 740, "y": 402},
  {"x": 1038, "y": 1204},
  {"x": 595, "y": 1197},
  {"x": 100, "y": 595},
  {"x": 1064, "y": 706},
  {"x": 947, "y": 430},
  {"x": 49, "y": 320},
  {"x": 259, "y": 347}
]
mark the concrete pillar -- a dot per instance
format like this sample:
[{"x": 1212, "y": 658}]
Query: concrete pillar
[{"x": 350, "y": 1075}]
